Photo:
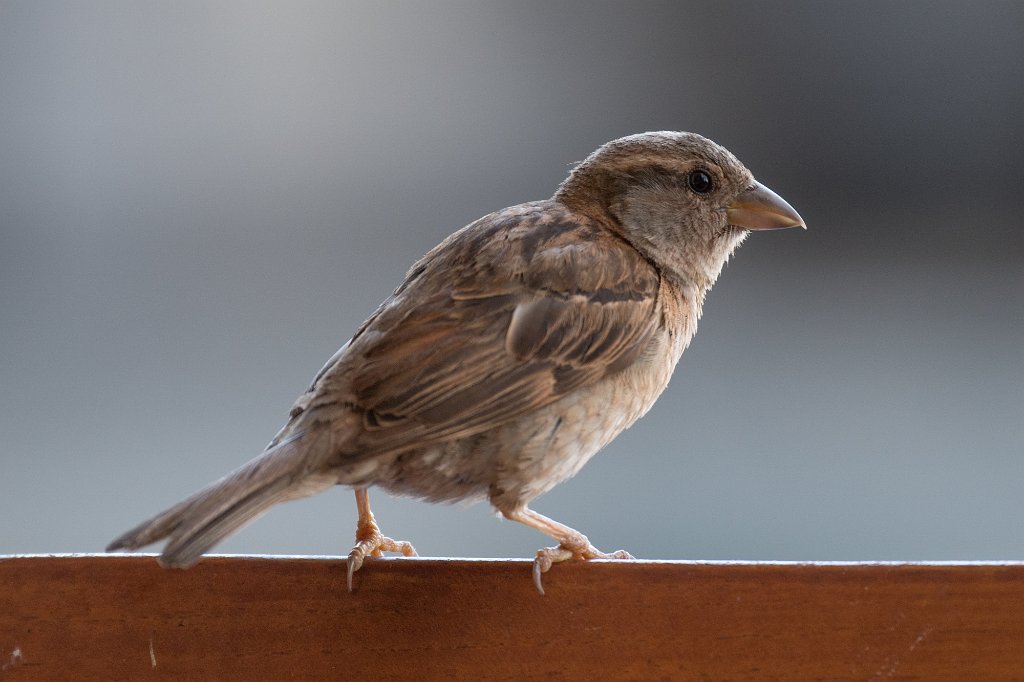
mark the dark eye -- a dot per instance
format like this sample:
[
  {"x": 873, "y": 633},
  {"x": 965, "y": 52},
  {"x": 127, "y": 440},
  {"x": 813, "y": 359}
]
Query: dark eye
[{"x": 700, "y": 181}]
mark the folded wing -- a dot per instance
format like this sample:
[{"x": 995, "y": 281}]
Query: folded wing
[{"x": 508, "y": 315}]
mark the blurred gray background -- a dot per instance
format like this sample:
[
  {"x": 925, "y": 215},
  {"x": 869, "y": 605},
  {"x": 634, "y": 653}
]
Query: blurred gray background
[{"x": 199, "y": 202}]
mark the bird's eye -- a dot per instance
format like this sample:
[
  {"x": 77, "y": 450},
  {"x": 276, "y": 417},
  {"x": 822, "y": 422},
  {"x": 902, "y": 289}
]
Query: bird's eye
[{"x": 700, "y": 181}]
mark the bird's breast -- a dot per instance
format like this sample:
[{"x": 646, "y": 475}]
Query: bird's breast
[
  {"x": 527, "y": 456},
  {"x": 554, "y": 444}
]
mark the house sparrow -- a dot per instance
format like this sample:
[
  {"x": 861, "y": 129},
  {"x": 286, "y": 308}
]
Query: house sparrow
[{"x": 512, "y": 352}]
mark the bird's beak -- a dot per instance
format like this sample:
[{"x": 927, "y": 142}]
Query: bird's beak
[{"x": 759, "y": 208}]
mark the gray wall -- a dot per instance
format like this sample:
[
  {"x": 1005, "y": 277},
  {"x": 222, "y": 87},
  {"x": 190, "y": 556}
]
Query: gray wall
[{"x": 200, "y": 201}]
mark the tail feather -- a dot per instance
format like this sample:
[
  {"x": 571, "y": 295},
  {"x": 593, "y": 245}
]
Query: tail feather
[
  {"x": 201, "y": 521},
  {"x": 184, "y": 549}
]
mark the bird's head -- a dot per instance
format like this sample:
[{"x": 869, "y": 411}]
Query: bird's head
[{"x": 679, "y": 198}]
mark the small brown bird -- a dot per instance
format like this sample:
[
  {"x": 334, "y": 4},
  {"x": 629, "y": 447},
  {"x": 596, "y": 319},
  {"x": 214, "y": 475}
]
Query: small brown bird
[{"x": 512, "y": 352}]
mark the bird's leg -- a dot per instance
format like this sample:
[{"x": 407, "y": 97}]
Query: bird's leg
[
  {"x": 369, "y": 541},
  {"x": 572, "y": 544}
]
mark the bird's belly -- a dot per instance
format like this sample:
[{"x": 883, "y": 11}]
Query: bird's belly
[{"x": 526, "y": 457}]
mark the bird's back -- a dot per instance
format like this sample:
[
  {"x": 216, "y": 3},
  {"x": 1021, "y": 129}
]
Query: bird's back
[{"x": 473, "y": 379}]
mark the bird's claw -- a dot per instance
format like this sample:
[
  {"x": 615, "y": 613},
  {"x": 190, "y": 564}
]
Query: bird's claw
[
  {"x": 374, "y": 544},
  {"x": 549, "y": 556},
  {"x": 355, "y": 562}
]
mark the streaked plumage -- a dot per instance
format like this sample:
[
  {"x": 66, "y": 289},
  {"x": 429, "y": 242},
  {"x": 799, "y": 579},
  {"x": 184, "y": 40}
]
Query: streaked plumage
[{"x": 512, "y": 352}]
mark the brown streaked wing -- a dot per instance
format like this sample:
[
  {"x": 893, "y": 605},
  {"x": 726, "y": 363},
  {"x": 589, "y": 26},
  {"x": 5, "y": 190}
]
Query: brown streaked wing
[{"x": 559, "y": 305}]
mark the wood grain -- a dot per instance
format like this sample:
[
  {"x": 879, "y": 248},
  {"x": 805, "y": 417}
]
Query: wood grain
[{"x": 124, "y": 617}]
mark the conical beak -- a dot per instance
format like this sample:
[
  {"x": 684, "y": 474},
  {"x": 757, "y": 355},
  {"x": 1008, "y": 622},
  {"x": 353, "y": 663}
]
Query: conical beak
[{"x": 759, "y": 208}]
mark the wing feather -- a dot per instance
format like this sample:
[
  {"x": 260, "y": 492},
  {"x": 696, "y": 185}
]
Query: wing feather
[{"x": 505, "y": 317}]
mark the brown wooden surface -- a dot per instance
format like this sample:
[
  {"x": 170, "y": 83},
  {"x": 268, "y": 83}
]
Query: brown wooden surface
[{"x": 123, "y": 617}]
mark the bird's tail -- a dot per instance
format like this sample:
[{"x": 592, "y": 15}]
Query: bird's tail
[{"x": 196, "y": 524}]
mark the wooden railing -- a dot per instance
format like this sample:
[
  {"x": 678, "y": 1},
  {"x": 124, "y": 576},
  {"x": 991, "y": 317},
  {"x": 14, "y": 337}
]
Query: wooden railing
[{"x": 261, "y": 618}]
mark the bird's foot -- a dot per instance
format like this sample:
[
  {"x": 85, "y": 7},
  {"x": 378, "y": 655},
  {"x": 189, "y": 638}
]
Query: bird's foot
[
  {"x": 579, "y": 548},
  {"x": 370, "y": 542}
]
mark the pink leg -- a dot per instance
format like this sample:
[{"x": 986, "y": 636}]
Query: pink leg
[
  {"x": 572, "y": 544},
  {"x": 369, "y": 541}
]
